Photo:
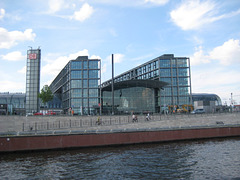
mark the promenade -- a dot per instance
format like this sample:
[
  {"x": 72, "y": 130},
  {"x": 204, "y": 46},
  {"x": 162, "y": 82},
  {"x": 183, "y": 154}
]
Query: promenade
[{"x": 37, "y": 125}]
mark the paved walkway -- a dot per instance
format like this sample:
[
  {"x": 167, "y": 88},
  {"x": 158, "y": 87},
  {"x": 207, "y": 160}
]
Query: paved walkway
[{"x": 20, "y": 125}]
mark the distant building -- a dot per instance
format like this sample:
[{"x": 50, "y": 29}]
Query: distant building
[
  {"x": 12, "y": 103},
  {"x": 33, "y": 80},
  {"x": 77, "y": 86},
  {"x": 209, "y": 102}
]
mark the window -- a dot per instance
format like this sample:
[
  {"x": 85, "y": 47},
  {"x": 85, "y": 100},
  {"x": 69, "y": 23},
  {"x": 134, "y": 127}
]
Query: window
[
  {"x": 85, "y": 83},
  {"x": 85, "y": 74},
  {"x": 85, "y": 92},
  {"x": 76, "y": 84},
  {"x": 93, "y": 64},
  {"x": 76, "y": 74},
  {"x": 165, "y": 73},
  {"x": 76, "y": 65},
  {"x": 93, "y": 83},
  {"x": 85, "y": 64},
  {"x": 93, "y": 73},
  {"x": 164, "y": 63},
  {"x": 93, "y": 92}
]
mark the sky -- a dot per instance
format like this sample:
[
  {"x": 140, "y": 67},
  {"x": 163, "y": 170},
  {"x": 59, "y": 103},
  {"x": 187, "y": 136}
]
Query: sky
[{"x": 135, "y": 31}]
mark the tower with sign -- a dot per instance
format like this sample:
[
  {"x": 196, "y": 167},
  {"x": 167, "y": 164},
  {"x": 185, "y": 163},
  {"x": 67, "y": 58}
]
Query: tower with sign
[{"x": 33, "y": 80}]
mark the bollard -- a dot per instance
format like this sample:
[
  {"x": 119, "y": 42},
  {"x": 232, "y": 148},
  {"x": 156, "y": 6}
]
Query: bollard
[{"x": 23, "y": 127}]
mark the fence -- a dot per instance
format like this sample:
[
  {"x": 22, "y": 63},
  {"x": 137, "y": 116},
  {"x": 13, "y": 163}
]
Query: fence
[{"x": 95, "y": 121}]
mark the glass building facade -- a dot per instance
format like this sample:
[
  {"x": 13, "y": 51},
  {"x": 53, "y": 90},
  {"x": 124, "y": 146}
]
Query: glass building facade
[
  {"x": 175, "y": 71},
  {"x": 12, "y": 103},
  {"x": 77, "y": 86},
  {"x": 33, "y": 80}
]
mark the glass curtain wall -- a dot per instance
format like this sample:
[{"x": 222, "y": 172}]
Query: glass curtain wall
[
  {"x": 167, "y": 68},
  {"x": 176, "y": 72},
  {"x": 84, "y": 86},
  {"x": 77, "y": 86},
  {"x": 129, "y": 100}
]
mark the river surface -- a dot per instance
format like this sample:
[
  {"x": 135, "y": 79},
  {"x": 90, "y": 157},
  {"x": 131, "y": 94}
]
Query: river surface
[{"x": 202, "y": 159}]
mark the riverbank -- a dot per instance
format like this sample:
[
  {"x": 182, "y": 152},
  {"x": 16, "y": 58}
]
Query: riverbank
[{"x": 117, "y": 130}]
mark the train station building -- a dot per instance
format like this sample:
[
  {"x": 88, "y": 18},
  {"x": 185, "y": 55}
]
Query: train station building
[
  {"x": 158, "y": 84},
  {"x": 150, "y": 87}
]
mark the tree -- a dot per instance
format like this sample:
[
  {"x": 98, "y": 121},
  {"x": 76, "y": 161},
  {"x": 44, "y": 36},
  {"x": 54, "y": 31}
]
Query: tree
[{"x": 46, "y": 94}]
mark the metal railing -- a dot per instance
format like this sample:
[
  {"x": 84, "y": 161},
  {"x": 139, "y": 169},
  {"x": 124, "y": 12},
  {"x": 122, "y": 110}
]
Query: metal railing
[{"x": 96, "y": 121}]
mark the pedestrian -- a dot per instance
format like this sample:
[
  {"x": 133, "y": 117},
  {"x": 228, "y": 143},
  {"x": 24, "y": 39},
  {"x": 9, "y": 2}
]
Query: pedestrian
[
  {"x": 98, "y": 122},
  {"x": 148, "y": 117},
  {"x": 133, "y": 118}
]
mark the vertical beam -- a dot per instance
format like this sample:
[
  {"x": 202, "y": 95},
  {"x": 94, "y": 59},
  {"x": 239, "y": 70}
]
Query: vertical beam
[
  {"x": 100, "y": 88},
  {"x": 112, "y": 84},
  {"x": 190, "y": 81}
]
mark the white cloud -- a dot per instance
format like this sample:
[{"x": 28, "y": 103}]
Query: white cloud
[
  {"x": 12, "y": 86},
  {"x": 11, "y": 38},
  {"x": 217, "y": 78},
  {"x": 192, "y": 14},
  {"x": 226, "y": 54},
  {"x": 107, "y": 65},
  {"x": 55, "y": 66},
  {"x": 14, "y": 56},
  {"x": 219, "y": 81},
  {"x": 199, "y": 57},
  {"x": 118, "y": 58},
  {"x": 157, "y": 2},
  {"x": 95, "y": 57},
  {"x": 23, "y": 70},
  {"x": 135, "y": 3},
  {"x": 2, "y": 13},
  {"x": 84, "y": 13},
  {"x": 56, "y": 5}
]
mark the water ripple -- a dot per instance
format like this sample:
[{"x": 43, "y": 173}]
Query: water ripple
[{"x": 208, "y": 159}]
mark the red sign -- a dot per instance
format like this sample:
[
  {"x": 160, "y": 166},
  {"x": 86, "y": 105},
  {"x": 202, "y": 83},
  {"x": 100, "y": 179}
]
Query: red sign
[{"x": 32, "y": 56}]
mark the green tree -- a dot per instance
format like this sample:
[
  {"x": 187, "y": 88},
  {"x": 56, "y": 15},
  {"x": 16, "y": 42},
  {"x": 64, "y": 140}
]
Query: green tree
[{"x": 46, "y": 94}]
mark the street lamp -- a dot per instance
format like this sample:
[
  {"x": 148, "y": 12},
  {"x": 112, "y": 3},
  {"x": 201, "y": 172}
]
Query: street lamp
[{"x": 164, "y": 103}]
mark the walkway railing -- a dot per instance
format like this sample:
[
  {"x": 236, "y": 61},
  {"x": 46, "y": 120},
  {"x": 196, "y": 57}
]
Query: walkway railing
[{"x": 95, "y": 121}]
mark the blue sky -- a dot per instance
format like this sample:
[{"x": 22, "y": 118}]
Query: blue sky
[{"x": 136, "y": 31}]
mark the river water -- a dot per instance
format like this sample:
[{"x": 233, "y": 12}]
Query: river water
[{"x": 202, "y": 159}]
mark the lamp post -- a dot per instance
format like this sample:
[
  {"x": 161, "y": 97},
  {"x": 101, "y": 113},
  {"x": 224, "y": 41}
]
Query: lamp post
[
  {"x": 164, "y": 103},
  {"x": 112, "y": 84}
]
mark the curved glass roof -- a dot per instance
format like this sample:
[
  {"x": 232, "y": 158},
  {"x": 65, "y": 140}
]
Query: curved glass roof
[
  {"x": 206, "y": 97},
  {"x": 136, "y": 83}
]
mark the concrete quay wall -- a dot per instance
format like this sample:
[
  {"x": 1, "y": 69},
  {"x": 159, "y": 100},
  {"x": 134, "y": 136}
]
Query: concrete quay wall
[{"x": 46, "y": 142}]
